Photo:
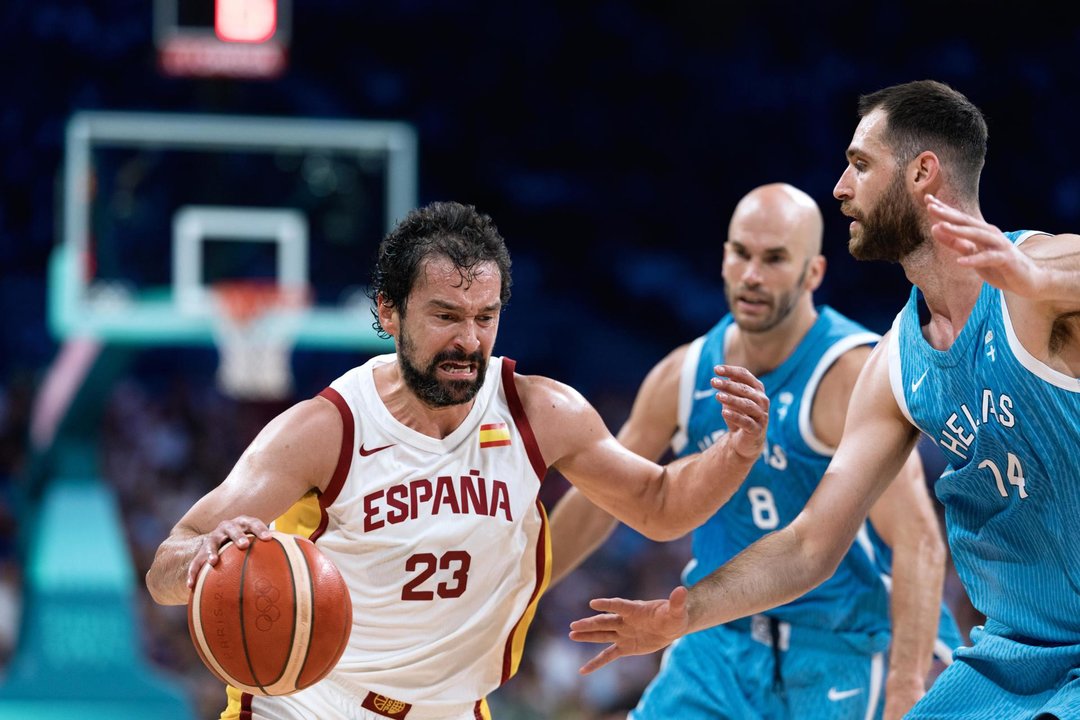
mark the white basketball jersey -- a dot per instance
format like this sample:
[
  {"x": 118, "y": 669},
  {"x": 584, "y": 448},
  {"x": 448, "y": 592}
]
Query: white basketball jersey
[{"x": 442, "y": 542}]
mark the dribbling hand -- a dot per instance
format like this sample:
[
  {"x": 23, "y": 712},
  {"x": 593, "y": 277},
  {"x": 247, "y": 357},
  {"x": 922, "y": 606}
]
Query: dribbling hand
[{"x": 236, "y": 529}]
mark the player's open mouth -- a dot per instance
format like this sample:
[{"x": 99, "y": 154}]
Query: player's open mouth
[{"x": 458, "y": 369}]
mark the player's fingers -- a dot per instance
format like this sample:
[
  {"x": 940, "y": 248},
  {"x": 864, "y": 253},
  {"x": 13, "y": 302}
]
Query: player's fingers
[
  {"x": 980, "y": 233},
  {"x": 614, "y": 606},
  {"x": 755, "y": 409},
  {"x": 239, "y": 537},
  {"x": 240, "y": 529},
  {"x": 596, "y": 623},
  {"x": 605, "y": 656},
  {"x": 740, "y": 375},
  {"x": 257, "y": 527},
  {"x": 989, "y": 258},
  {"x": 746, "y": 423},
  {"x": 594, "y": 636},
  {"x": 677, "y": 600},
  {"x": 754, "y": 392},
  {"x": 734, "y": 387},
  {"x": 954, "y": 243},
  {"x": 193, "y": 572},
  {"x": 947, "y": 212}
]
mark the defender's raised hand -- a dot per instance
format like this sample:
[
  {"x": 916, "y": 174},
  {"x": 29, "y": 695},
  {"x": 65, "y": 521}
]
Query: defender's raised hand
[
  {"x": 984, "y": 248},
  {"x": 746, "y": 408},
  {"x": 632, "y": 627}
]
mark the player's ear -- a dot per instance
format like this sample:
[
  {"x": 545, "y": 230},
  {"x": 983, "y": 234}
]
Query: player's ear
[
  {"x": 815, "y": 273},
  {"x": 389, "y": 317},
  {"x": 924, "y": 172}
]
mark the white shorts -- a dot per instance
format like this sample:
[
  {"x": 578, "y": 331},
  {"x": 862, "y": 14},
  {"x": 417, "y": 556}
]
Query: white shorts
[{"x": 327, "y": 700}]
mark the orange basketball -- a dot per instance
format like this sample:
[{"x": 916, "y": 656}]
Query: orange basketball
[{"x": 272, "y": 618}]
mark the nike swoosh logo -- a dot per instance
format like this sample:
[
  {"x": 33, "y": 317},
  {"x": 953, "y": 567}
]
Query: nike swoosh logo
[
  {"x": 365, "y": 452},
  {"x": 699, "y": 394},
  {"x": 837, "y": 695},
  {"x": 915, "y": 385}
]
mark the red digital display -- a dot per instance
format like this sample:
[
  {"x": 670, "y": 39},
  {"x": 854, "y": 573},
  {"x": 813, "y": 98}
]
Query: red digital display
[{"x": 245, "y": 21}]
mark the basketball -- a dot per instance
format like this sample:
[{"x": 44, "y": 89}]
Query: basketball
[{"x": 272, "y": 618}]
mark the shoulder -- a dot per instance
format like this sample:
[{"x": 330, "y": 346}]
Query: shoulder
[
  {"x": 562, "y": 420},
  {"x": 317, "y": 420},
  {"x": 833, "y": 394},
  {"x": 666, "y": 373},
  {"x": 1044, "y": 246},
  {"x": 844, "y": 371},
  {"x": 844, "y": 349},
  {"x": 544, "y": 398},
  {"x": 302, "y": 444}
]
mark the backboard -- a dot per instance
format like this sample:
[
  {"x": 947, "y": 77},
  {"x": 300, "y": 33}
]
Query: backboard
[{"x": 158, "y": 207}]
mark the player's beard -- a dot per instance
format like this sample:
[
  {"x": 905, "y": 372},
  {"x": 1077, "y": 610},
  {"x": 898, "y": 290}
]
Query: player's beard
[
  {"x": 892, "y": 229},
  {"x": 425, "y": 382},
  {"x": 781, "y": 305}
]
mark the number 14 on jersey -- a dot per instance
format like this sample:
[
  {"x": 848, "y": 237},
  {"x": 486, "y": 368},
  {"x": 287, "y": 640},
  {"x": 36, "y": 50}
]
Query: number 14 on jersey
[{"x": 1014, "y": 472}]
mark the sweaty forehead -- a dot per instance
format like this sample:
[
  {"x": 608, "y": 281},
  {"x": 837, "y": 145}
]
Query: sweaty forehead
[{"x": 440, "y": 276}]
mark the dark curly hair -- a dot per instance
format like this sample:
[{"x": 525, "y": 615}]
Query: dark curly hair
[{"x": 449, "y": 229}]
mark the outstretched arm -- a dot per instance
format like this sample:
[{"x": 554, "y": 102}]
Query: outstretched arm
[
  {"x": 578, "y": 527},
  {"x": 661, "y": 502},
  {"x": 785, "y": 564},
  {"x": 295, "y": 452},
  {"x": 904, "y": 517}
]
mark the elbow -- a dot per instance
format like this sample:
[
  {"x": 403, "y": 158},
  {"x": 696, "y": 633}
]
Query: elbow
[
  {"x": 821, "y": 556},
  {"x": 152, "y": 587},
  {"x": 821, "y": 567},
  {"x": 667, "y": 524},
  {"x": 160, "y": 591},
  {"x": 675, "y": 515}
]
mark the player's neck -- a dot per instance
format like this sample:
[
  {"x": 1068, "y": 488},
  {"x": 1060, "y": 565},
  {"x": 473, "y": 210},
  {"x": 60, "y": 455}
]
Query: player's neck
[
  {"x": 763, "y": 352},
  {"x": 411, "y": 411},
  {"x": 949, "y": 290}
]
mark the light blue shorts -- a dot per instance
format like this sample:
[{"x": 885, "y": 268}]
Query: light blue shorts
[
  {"x": 1001, "y": 677},
  {"x": 730, "y": 671}
]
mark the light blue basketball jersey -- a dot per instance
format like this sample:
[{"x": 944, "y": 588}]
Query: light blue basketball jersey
[
  {"x": 1010, "y": 428},
  {"x": 821, "y": 656},
  {"x": 854, "y": 599}
]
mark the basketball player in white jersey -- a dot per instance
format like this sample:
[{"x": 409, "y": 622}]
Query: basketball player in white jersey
[{"x": 417, "y": 473}]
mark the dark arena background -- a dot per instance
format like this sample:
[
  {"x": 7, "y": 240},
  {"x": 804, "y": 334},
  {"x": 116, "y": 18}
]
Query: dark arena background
[{"x": 609, "y": 141}]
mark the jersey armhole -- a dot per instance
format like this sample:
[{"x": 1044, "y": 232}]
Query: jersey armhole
[
  {"x": 521, "y": 419},
  {"x": 896, "y": 376},
  {"x": 687, "y": 378},
  {"x": 806, "y": 425}
]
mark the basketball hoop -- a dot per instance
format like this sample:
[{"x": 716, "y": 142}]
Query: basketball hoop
[{"x": 255, "y": 327}]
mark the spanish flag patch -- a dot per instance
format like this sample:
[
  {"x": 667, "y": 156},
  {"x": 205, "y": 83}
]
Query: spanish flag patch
[{"x": 494, "y": 435}]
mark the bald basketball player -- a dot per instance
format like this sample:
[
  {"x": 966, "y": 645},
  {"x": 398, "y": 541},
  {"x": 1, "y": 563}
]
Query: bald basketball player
[{"x": 825, "y": 655}]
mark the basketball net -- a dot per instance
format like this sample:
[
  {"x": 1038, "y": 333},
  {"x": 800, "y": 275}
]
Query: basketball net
[{"x": 255, "y": 326}]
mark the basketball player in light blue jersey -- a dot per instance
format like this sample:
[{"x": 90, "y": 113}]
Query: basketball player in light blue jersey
[
  {"x": 822, "y": 655},
  {"x": 984, "y": 359}
]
